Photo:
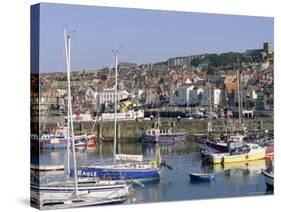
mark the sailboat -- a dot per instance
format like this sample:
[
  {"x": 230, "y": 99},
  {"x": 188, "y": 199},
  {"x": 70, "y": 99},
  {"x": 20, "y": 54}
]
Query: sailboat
[
  {"x": 229, "y": 141},
  {"x": 134, "y": 168},
  {"x": 76, "y": 192}
]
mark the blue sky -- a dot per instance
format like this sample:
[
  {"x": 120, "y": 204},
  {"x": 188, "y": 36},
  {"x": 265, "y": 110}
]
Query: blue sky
[{"x": 145, "y": 35}]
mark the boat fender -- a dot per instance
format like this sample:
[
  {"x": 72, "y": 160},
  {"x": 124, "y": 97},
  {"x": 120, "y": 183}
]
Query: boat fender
[
  {"x": 222, "y": 160},
  {"x": 247, "y": 157},
  {"x": 152, "y": 164}
]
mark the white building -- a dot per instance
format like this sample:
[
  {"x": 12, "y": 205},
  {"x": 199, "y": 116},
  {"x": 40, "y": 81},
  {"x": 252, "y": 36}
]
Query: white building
[
  {"x": 108, "y": 96},
  {"x": 188, "y": 81},
  {"x": 195, "y": 96},
  {"x": 216, "y": 97},
  {"x": 196, "y": 79},
  {"x": 61, "y": 92},
  {"x": 182, "y": 96},
  {"x": 90, "y": 95},
  {"x": 250, "y": 95}
]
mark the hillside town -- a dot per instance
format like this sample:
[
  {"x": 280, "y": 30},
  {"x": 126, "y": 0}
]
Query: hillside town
[{"x": 181, "y": 82}]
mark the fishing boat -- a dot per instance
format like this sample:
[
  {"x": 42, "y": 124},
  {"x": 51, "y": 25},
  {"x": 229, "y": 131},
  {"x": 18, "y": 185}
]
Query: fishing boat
[
  {"x": 59, "y": 140},
  {"x": 124, "y": 166},
  {"x": 224, "y": 145},
  {"x": 227, "y": 142},
  {"x": 49, "y": 142},
  {"x": 201, "y": 176},
  {"x": 162, "y": 135},
  {"x": 75, "y": 192},
  {"x": 249, "y": 152}
]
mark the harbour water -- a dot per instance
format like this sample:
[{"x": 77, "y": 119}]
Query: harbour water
[{"x": 233, "y": 180}]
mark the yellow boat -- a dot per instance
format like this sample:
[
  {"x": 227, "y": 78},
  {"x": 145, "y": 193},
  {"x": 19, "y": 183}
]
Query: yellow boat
[
  {"x": 251, "y": 165},
  {"x": 250, "y": 152}
]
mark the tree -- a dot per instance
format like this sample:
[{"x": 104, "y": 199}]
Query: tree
[{"x": 196, "y": 62}]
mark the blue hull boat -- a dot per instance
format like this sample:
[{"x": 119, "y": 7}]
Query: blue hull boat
[
  {"x": 119, "y": 172},
  {"x": 62, "y": 143},
  {"x": 55, "y": 146},
  {"x": 201, "y": 177}
]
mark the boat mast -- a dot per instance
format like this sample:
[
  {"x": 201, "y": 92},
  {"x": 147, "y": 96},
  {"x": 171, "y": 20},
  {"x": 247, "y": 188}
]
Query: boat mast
[
  {"x": 67, "y": 133},
  {"x": 115, "y": 53},
  {"x": 210, "y": 111},
  {"x": 67, "y": 49},
  {"x": 68, "y": 142},
  {"x": 238, "y": 94}
]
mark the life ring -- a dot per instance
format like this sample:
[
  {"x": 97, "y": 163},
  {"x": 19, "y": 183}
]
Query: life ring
[
  {"x": 222, "y": 160},
  {"x": 152, "y": 164}
]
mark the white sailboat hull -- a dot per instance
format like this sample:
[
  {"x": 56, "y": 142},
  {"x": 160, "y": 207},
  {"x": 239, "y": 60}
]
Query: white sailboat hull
[{"x": 56, "y": 193}]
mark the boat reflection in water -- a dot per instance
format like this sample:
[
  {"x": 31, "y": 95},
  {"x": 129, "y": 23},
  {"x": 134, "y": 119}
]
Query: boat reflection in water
[{"x": 252, "y": 167}]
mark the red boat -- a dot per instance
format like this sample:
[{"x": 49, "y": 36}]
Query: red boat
[
  {"x": 223, "y": 145},
  {"x": 269, "y": 151},
  {"x": 91, "y": 139}
]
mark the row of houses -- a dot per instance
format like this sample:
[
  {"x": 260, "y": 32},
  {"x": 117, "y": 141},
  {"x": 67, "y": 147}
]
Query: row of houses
[
  {"x": 174, "y": 81},
  {"x": 255, "y": 92},
  {"x": 192, "y": 95}
]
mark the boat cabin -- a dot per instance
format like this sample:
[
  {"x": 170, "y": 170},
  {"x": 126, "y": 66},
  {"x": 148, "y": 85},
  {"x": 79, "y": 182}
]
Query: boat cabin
[
  {"x": 245, "y": 149},
  {"x": 237, "y": 138}
]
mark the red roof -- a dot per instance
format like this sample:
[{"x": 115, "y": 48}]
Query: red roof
[
  {"x": 254, "y": 87},
  {"x": 258, "y": 74},
  {"x": 231, "y": 86}
]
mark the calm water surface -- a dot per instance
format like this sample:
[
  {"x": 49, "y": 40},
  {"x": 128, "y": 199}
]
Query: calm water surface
[{"x": 230, "y": 181}]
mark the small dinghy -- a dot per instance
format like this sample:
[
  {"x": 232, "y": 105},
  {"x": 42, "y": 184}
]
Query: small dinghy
[{"x": 201, "y": 176}]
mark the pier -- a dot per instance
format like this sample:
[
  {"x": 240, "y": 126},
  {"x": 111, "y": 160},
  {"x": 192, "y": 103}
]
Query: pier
[{"x": 127, "y": 130}]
